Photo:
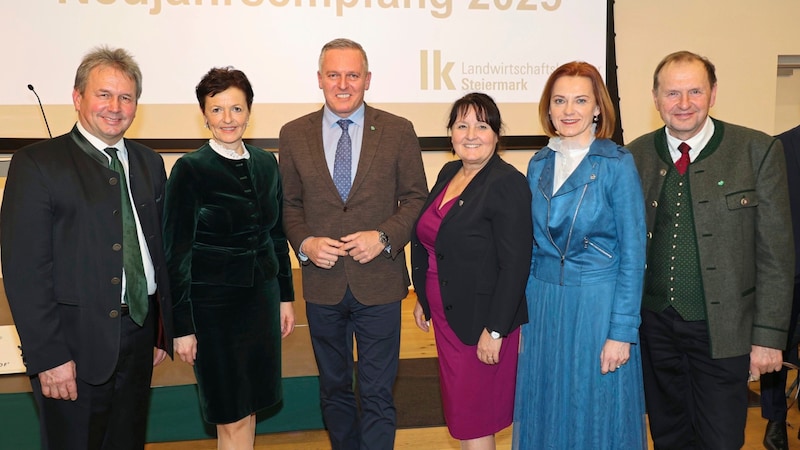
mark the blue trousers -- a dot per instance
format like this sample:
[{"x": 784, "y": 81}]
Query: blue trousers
[{"x": 377, "y": 337}]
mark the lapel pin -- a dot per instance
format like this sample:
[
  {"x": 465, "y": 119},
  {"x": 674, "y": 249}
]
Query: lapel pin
[
  {"x": 372, "y": 127},
  {"x": 720, "y": 183},
  {"x": 460, "y": 202}
]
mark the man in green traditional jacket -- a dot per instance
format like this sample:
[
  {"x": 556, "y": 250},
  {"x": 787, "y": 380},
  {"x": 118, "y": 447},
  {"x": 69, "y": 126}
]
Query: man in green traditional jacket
[{"x": 720, "y": 261}]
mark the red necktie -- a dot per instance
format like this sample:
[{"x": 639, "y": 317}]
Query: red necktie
[{"x": 683, "y": 162}]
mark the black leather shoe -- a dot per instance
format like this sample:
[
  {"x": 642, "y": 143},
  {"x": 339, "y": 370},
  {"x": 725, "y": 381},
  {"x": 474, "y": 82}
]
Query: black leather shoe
[{"x": 775, "y": 437}]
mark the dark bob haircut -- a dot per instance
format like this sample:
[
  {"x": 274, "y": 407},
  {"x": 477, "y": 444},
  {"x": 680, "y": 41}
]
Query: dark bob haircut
[
  {"x": 485, "y": 111},
  {"x": 221, "y": 79}
]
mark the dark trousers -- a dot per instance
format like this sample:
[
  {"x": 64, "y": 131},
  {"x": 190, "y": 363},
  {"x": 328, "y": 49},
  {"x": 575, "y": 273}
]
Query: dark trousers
[
  {"x": 773, "y": 395},
  {"x": 377, "y": 336},
  {"x": 773, "y": 385},
  {"x": 693, "y": 401},
  {"x": 112, "y": 415}
]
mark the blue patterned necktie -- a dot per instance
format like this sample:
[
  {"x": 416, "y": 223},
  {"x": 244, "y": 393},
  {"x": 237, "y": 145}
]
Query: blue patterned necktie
[
  {"x": 342, "y": 161},
  {"x": 135, "y": 281}
]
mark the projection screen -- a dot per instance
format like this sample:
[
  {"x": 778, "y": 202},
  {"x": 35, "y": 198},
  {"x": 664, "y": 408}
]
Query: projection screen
[{"x": 423, "y": 55}]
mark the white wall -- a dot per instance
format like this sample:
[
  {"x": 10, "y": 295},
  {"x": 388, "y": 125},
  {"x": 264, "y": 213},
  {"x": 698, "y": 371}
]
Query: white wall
[
  {"x": 787, "y": 102},
  {"x": 742, "y": 38}
]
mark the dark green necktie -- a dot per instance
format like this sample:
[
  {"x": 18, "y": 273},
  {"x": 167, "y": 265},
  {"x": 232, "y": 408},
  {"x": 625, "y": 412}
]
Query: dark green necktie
[{"x": 136, "y": 283}]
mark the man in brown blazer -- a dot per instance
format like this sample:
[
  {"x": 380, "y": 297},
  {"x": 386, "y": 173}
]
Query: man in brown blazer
[{"x": 353, "y": 185}]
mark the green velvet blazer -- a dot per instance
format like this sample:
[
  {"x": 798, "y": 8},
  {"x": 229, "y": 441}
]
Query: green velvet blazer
[{"x": 222, "y": 219}]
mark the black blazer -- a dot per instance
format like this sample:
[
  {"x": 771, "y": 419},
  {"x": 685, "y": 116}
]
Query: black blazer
[
  {"x": 483, "y": 252},
  {"x": 791, "y": 151},
  {"x": 59, "y": 224}
]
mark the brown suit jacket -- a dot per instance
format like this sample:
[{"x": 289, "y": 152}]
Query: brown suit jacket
[{"x": 388, "y": 192}]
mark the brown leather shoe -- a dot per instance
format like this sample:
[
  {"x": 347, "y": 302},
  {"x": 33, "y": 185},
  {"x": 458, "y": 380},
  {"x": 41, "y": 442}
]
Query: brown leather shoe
[{"x": 775, "y": 437}]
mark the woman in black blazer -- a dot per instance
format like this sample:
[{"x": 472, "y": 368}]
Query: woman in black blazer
[{"x": 471, "y": 253}]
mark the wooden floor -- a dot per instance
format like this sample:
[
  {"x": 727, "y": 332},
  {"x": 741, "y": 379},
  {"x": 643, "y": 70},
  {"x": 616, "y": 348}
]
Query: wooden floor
[
  {"x": 416, "y": 344},
  {"x": 298, "y": 360}
]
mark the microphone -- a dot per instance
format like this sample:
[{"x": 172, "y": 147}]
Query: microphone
[{"x": 30, "y": 86}]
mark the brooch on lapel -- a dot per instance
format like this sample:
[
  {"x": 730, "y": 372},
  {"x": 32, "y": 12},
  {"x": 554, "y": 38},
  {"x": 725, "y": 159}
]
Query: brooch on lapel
[{"x": 372, "y": 128}]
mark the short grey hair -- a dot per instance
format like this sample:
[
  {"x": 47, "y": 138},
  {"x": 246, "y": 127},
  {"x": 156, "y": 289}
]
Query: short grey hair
[
  {"x": 117, "y": 58},
  {"x": 342, "y": 43}
]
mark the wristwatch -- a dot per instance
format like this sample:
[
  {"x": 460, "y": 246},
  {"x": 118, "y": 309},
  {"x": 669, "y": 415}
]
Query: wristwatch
[
  {"x": 494, "y": 334},
  {"x": 383, "y": 238}
]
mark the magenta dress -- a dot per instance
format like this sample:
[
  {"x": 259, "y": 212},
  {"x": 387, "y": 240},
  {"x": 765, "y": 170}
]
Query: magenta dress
[{"x": 477, "y": 399}]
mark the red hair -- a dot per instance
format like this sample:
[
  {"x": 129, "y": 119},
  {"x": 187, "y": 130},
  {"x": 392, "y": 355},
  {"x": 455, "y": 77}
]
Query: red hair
[{"x": 605, "y": 120}]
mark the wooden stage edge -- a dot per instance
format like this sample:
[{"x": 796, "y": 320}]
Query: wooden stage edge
[{"x": 297, "y": 355}]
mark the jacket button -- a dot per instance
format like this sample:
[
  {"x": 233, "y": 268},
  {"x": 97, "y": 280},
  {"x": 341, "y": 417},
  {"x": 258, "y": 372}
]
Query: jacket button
[
  {"x": 744, "y": 201},
  {"x": 662, "y": 172},
  {"x": 443, "y": 283},
  {"x": 113, "y": 314},
  {"x": 116, "y": 247},
  {"x": 654, "y": 203},
  {"x": 649, "y": 235},
  {"x": 448, "y": 307},
  {"x": 113, "y": 181},
  {"x": 115, "y": 212},
  {"x": 116, "y": 280},
  {"x": 344, "y": 209},
  {"x": 439, "y": 256}
]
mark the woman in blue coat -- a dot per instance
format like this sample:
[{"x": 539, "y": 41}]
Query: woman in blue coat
[{"x": 579, "y": 376}]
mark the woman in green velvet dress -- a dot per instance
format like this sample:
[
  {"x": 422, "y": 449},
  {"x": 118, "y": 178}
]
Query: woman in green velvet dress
[{"x": 229, "y": 265}]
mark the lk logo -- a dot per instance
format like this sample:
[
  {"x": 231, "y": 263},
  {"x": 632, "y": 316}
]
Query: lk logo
[{"x": 436, "y": 71}]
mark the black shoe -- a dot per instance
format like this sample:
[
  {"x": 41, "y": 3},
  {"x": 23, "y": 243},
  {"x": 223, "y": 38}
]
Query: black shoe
[{"x": 775, "y": 437}]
